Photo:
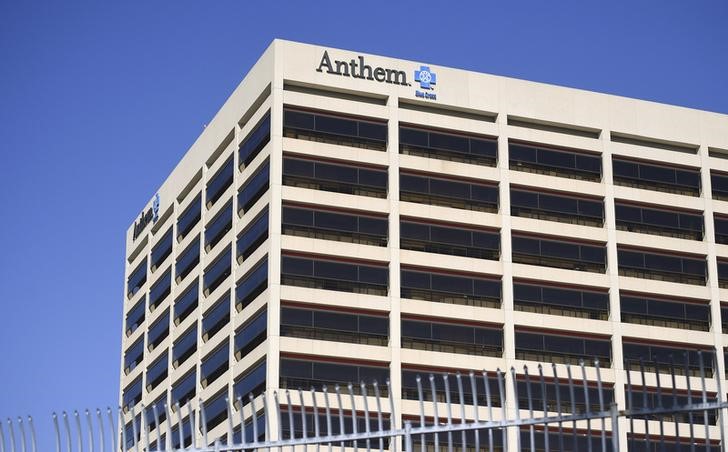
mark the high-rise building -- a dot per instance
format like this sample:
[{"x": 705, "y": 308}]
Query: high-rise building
[{"x": 355, "y": 217}]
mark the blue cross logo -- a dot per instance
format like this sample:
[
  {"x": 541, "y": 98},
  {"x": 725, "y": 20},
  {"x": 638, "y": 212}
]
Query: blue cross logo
[
  {"x": 155, "y": 207},
  {"x": 425, "y": 77}
]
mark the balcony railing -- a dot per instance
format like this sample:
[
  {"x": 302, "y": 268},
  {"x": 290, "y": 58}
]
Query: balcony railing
[
  {"x": 683, "y": 324},
  {"x": 564, "y": 311},
  {"x": 341, "y": 140},
  {"x": 452, "y": 156},
  {"x": 450, "y": 297},
  {"x": 560, "y": 217},
  {"x": 333, "y": 186},
  {"x": 555, "y": 171},
  {"x": 351, "y": 337},
  {"x": 452, "y": 250},
  {"x": 659, "y": 230},
  {"x": 452, "y": 347},
  {"x": 445, "y": 201},
  {"x": 558, "y": 357},
  {"x": 662, "y": 275},
  {"x": 338, "y": 236},
  {"x": 333, "y": 284},
  {"x": 569, "y": 264}
]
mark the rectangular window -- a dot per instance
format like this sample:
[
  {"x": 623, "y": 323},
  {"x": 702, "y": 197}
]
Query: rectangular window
[
  {"x": 187, "y": 260},
  {"x": 562, "y": 349},
  {"x": 314, "y": 374},
  {"x": 157, "y": 371},
  {"x": 646, "y": 220},
  {"x": 721, "y": 229},
  {"x": 568, "y": 302},
  {"x": 551, "y": 207},
  {"x": 253, "y": 189},
  {"x": 574, "y": 400},
  {"x": 662, "y": 267},
  {"x": 255, "y": 141},
  {"x": 555, "y": 162},
  {"x": 252, "y": 285},
  {"x": 186, "y": 434},
  {"x": 215, "y": 364},
  {"x": 132, "y": 394},
  {"x": 719, "y": 186},
  {"x": 327, "y": 128},
  {"x": 448, "y": 288},
  {"x": 724, "y": 318},
  {"x": 410, "y": 390},
  {"x": 216, "y": 317},
  {"x": 219, "y": 226},
  {"x": 334, "y": 326},
  {"x": 722, "y": 273},
  {"x": 216, "y": 409},
  {"x": 671, "y": 313},
  {"x": 337, "y": 178},
  {"x": 184, "y": 389},
  {"x": 189, "y": 218},
  {"x": 654, "y": 399},
  {"x": 160, "y": 289},
  {"x": 217, "y": 272},
  {"x": 184, "y": 347},
  {"x": 133, "y": 356},
  {"x": 330, "y": 275},
  {"x": 186, "y": 303},
  {"x": 363, "y": 424},
  {"x": 253, "y": 236},
  {"x": 161, "y": 250},
  {"x": 252, "y": 382},
  {"x": 135, "y": 317},
  {"x": 432, "y": 238},
  {"x": 252, "y": 334},
  {"x": 559, "y": 254},
  {"x": 669, "y": 179},
  {"x": 453, "y": 146},
  {"x": 219, "y": 183},
  {"x": 332, "y": 225},
  {"x": 158, "y": 331},
  {"x": 660, "y": 358},
  {"x": 136, "y": 279},
  {"x": 437, "y": 191},
  {"x": 452, "y": 338}
]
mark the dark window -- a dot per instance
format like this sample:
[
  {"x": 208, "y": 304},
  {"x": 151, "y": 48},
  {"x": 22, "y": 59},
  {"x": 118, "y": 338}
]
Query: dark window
[
  {"x": 561, "y": 162},
  {"x": 158, "y": 331},
  {"x": 253, "y": 236},
  {"x": 566, "y": 441},
  {"x": 369, "y": 134},
  {"x": 252, "y": 285},
  {"x": 186, "y": 434},
  {"x": 133, "y": 355},
  {"x": 189, "y": 218},
  {"x": 184, "y": 347},
  {"x": 130, "y": 428},
  {"x": 216, "y": 410},
  {"x": 655, "y": 399},
  {"x": 410, "y": 390},
  {"x": 342, "y": 227},
  {"x": 721, "y": 229},
  {"x": 219, "y": 226},
  {"x": 136, "y": 279},
  {"x": 570, "y": 302},
  {"x": 252, "y": 382},
  {"x": 313, "y": 374},
  {"x": 658, "y": 221},
  {"x": 251, "y": 429},
  {"x": 722, "y": 273},
  {"x": 719, "y": 186},
  {"x": 217, "y": 272},
  {"x": 448, "y": 193},
  {"x": 187, "y": 260},
  {"x": 217, "y": 317},
  {"x": 559, "y": 254},
  {"x": 445, "y": 288},
  {"x": 336, "y": 178},
  {"x": 452, "y": 338},
  {"x": 564, "y": 209},
  {"x": 161, "y": 250},
  {"x": 255, "y": 141},
  {"x": 160, "y": 289},
  {"x": 183, "y": 390},
  {"x": 157, "y": 371},
  {"x": 453, "y": 241},
  {"x": 252, "y": 334},
  {"x": 132, "y": 394},
  {"x": 219, "y": 182},
  {"x": 161, "y": 416},
  {"x": 329, "y": 275},
  {"x": 656, "y": 177},
  {"x": 334, "y": 326},
  {"x": 448, "y": 146},
  {"x": 562, "y": 396},
  {"x": 254, "y": 188},
  {"x": 186, "y": 303},
  {"x": 135, "y": 317},
  {"x": 663, "y": 267},
  {"x": 667, "y": 313},
  {"x": 215, "y": 364},
  {"x": 336, "y": 422},
  {"x": 562, "y": 349},
  {"x": 660, "y": 358},
  {"x": 724, "y": 318}
]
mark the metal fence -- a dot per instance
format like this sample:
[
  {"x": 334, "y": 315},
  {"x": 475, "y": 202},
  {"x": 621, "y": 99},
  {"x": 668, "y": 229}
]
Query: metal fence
[{"x": 571, "y": 411}]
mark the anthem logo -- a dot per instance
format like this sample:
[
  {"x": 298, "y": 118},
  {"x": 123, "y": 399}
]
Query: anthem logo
[
  {"x": 145, "y": 218},
  {"x": 357, "y": 68}
]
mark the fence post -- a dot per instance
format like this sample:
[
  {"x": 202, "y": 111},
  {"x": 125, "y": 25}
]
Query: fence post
[
  {"x": 615, "y": 429},
  {"x": 407, "y": 436}
]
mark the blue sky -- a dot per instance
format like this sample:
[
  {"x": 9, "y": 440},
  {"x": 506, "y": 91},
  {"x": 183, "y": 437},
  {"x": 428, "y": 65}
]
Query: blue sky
[{"x": 99, "y": 100}]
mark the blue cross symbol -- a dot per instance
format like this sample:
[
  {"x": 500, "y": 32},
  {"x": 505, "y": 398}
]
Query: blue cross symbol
[
  {"x": 425, "y": 77},
  {"x": 155, "y": 207}
]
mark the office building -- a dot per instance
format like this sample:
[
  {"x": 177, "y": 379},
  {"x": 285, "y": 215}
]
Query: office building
[{"x": 355, "y": 217}]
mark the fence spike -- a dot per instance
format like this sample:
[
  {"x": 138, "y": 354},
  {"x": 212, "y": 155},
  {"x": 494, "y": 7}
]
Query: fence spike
[
  {"x": 531, "y": 428},
  {"x": 229, "y": 408},
  {"x": 279, "y": 416},
  {"x": 476, "y": 417},
  {"x": 448, "y": 405},
  {"x": 380, "y": 422},
  {"x": 342, "y": 429},
  {"x": 690, "y": 400},
  {"x": 203, "y": 421},
  {"x": 2, "y": 436},
  {"x": 168, "y": 421},
  {"x": 366, "y": 414},
  {"x": 545, "y": 408},
  {"x": 434, "y": 408},
  {"x": 421, "y": 398},
  {"x": 588, "y": 409},
  {"x": 266, "y": 417},
  {"x": 570, "y": 381},
  {"x": 144, "y": 425},
  {"x": 557, "y": 385},
  {"x": 291, "y": 429},
  {"x": 705, "y": 400},
  {"x": 57, "y": 431},
  {"x": 327, "y": 411},
  {"x": 11, "y": 432},
  {"x": 192, "y": 420},
  {"x": 302, "y": 404},
  {"x": 255, "y": 417},
  {"x": 134, "y": 430},
  {"x": 155, "y": 413},
  {"x": 111, "y": 429},
  {"x": 102, "y": 432},
  {"x": 601, "y": 403},
  {"x": 180, "y": 426},
  {"x": 462, "y": 406},
  {"x": 518, "y": 408},
  {"x": 67, "y": 425},
  {"x": 122, "y": 427},
  {"x": 489, "y": 406},
  {"x": 22, "y": 434},
  {"x": 644, "y": 399},
  {"x": 502, "y": 392},
  {"x": 91, "y": 444},
  {"x": 242, "y": 420},
  {"x": 354, "y": 421},
  {"x": 33, "y": 442},
  {"x": 79, "y": 435},
  {"x": 316, "y": 423},
  {"x": 659, "y": 403}
]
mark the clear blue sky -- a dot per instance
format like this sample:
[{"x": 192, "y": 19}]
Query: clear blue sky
[{"x": 99, "y": 100}]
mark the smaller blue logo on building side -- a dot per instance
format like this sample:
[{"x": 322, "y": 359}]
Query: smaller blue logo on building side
[
  {"x": 425, "y": 77},
  {"x": 155, "y": 208}
]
